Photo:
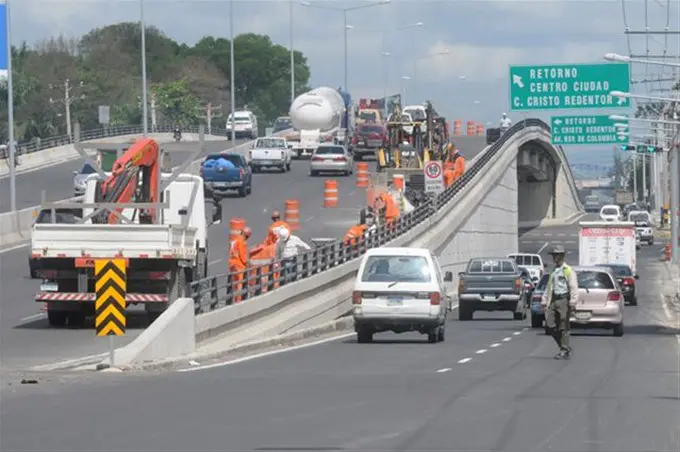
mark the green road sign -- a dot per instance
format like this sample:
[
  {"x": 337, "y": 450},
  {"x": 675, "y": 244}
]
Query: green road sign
[
  {"x": 597, "y": 129},
  {"x": 567, "y": 86}
]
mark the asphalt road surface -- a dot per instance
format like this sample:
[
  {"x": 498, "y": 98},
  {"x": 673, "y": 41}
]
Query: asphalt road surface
[
  {"x": 57, "y": 180},
  {"x": 493, "y": 385}
]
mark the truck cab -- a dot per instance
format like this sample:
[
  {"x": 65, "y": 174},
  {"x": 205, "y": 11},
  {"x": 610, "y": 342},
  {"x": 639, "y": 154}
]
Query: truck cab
[{"x": 270, "y": 152}]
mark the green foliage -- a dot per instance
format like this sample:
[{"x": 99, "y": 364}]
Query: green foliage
[
  {"x": 649, "y": 110},
  {"x": 107, "y": 61}
]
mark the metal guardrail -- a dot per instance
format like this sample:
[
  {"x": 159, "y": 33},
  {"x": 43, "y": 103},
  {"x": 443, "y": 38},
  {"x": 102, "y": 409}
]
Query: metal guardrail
[
  {"x": 95, "y": 134},
  {"x": 223, "y": 290}
]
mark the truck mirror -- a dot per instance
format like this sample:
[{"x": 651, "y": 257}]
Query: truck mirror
[
  {"x": 448, "y": 276},
  {"x": 217, "y": 212},
  {"x": 461, "y": 274},
  {"x": 636, "y": 276}
]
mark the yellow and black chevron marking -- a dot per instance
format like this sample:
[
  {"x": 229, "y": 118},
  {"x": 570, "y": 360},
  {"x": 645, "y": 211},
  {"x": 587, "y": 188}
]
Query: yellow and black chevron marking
[{"x": 110, "y": 305}]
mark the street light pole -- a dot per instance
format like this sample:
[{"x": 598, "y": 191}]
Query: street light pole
[
  {"x": 145, "y": 102},
  {"x": 231, "y": 69},
  {"x": 10, "y": 113},
  {"x": 344, "y": 31},
  {"x": 292, "y": 58}
]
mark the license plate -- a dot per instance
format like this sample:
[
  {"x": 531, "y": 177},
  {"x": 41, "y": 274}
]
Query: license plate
[
  {"x": 220, "y": 184},
  {"x": 488, "y": 298},
  {"x": 266, "y": 162},
  {"x": 583, "y": 315},
  {"x": 395, "y": 301},
  {"x": 49, "y": 287}
]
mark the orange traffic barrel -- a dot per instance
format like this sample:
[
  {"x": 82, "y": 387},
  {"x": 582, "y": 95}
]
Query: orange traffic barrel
[
  {"x": 480, "y": 130},
  {"x": 471, "y": 128},
  {"x": 667, "y": 252},
  {"x": 362, "y": 174},
  {"x": 398, "y": 181},
  {"x": 457, "y": 126},
  {"x": 330, "y": 193},
  {"x": 291, "y": 214},
  {"x": 236, "y": 225}
]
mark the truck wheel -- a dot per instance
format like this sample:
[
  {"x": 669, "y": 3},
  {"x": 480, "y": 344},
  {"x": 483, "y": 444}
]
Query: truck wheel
[
  {"x": 433, "y": 336},
  {"x": 364, "y": 335},
  {"x": 56, "y": 318},
  {"x": 441, "y": 333},
  {"x": 76, "y": 319},
  {"x": 618, "y": 330},
  {"x": 464, "y": 313},
  {"x": 536, "y": 321}
]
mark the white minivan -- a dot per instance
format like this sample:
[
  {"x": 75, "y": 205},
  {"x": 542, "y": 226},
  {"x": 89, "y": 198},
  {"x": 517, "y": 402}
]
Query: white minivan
[
  {"x": 610, "y": 212},
  {"x": 400, "y": 290}
]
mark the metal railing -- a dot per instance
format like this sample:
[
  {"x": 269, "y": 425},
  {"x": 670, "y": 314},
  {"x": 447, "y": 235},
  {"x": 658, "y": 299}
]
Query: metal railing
[
  {"x": 222, "y": 290},
  {"x": 40, "y": 144}
]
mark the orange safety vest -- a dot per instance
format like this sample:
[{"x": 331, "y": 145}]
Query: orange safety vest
[
  {"x": 354, "y": 233},
  {"x": 238, "y": 253},
  {"x": 391, "y": 208},
  {"x": 273, "y": 237},
  {"x": 459, "y": 166},
  {"x": 449, "y": 177}
]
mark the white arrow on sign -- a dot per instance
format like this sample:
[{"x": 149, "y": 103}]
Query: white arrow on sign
[
  {"x": 517, "y": 80},
  {"x": 557, "y": 122},
  {"x": 622, "y": 100}
]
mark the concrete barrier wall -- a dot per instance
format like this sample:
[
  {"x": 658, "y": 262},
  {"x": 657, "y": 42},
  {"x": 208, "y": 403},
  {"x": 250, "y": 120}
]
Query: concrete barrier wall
[{"x": 541, "y": 196}]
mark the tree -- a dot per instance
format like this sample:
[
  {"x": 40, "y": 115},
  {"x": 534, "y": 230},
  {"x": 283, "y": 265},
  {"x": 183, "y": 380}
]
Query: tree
[{"x": 176, "y": 102}]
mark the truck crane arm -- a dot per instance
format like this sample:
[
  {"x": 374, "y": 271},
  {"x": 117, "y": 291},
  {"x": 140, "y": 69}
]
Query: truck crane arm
[{"x": 141, "y": 159}]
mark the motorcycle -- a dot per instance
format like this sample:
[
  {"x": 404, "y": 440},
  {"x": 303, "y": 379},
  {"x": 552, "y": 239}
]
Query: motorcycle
[{"x": 178, "y": 135}]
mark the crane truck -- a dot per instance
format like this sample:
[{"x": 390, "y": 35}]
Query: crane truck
[{"x": 157, "y": 226}]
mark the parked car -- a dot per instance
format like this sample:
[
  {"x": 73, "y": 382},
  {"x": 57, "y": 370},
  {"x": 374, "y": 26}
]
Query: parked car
[
  {"x": 80, "y": 178},
  {"x": 270, "y": 152},
  {"x": 491, "y": 284},
  {"x": 226, "y": 172},
  {"x": 368, "y": 138},
  {"x": 400, "y": 290},
  {"x": 244, "y": 123},
  {"x": 61, "y": 216},
  {"x": 626, "y": 278},
  {"x": 600, "y": 301},
  {"x": 331, "y": 158},
  {"x": 537, "y": 313}
]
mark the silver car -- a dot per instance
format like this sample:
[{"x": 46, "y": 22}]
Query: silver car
[
  {"x": 80, "y": 179},
  {"x": 331, "y": 158}
]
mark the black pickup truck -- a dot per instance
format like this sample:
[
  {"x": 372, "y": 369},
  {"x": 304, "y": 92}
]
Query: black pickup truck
[{"x": 491, "y": 284}]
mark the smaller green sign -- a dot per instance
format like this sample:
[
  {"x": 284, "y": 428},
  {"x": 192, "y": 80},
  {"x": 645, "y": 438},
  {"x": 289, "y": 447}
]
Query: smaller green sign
[{"x": 594, "y": 129}]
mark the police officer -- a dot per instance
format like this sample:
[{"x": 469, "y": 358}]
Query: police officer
[{"x": 558, "y": 300}]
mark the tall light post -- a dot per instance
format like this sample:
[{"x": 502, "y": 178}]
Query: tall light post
[
  {"x": 346, "y": 27},
  {"x": 232, "y": 82},
  {"x": 145, "y": 101},
  {"x": 11, "y": 148},
  {"x": 405, "y": 79},
  {"x": 292, "y": 56}
]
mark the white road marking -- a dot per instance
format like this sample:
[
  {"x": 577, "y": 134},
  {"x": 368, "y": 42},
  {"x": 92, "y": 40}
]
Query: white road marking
[
  {"x": 16, "y": 247},
  {"x": 464, "y": 360},
  {"x": 216, "y": 261},
  {"x": 507, "y": 339},
  {"x": 40, "y": 315},
  {"x": 542, "y": 248},
  {"x": 306, "y": 220},
  {"x": 68, "y": 362},
  {"x": 495, "y": 344},
  {"x": 516, "y": 333},
  {"x": 481, "y": 351},
  {"x": 270, "y": 353},
  {"x": 446, "y": 369}
]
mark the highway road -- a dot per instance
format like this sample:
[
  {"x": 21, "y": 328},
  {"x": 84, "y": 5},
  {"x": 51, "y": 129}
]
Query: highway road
[
  {"x": 493, "y": 385},
  {"x": 57, "y": 180},
  {"x": 27, "y": 340}
]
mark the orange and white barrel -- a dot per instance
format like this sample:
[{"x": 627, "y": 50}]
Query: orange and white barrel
[
  {"x": 480, "y": 130},
  {"x": 236, "y": 225},
  {"x": 398, "y": 181},
  {"x": 330, "y": 193},
  {"x": 471, "y": 128},
  {"x": 291, "y": 214},
  {"x": 457, "y": 126},
  {"x": 362, "y": 174}
]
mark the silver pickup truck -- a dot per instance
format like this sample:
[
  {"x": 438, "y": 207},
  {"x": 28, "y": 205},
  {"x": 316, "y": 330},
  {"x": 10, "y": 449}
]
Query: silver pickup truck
[{"x": 491, "y": 284}]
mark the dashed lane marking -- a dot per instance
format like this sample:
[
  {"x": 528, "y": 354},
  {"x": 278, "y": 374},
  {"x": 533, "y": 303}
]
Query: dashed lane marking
[
  {"x": 464, "y": 360},
  {"x": 481, "y": 351},
  {"x": 495, "y": 344},
  {"x": 516, "y": 333},
  {"x": 445, "y": 369},
  {"x": 507, "y": 339}
]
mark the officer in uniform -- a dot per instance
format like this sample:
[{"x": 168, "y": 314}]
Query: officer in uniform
[{"x": 559, "y": 298}]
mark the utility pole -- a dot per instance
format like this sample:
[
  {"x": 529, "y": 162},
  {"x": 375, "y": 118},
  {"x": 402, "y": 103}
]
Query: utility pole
[
  {"x": 154, "y": 122},
  {"x": 68, "y": 99},
  {"x": 210, "y": 113}
]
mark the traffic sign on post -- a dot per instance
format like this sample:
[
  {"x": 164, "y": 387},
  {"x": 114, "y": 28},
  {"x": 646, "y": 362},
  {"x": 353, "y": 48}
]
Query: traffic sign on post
[
  {"x": 434, "y": 177},
  {"x": 110, "y": 285},
  {"x": 593, "y": 129},
  {"x": 567, "y": 86}
]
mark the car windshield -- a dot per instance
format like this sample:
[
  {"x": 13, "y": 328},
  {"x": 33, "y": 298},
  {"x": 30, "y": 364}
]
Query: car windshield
[
  {"x": 330, "y": 150},
  {"x": 87, "y": 169},
  {"x": 543, "y": 283},
  {"x": 638, "y": 217},
  {"x": 271, "y": 143},
  {"x": 368, "y": 116},
  {"x": 397, "y": 268},
  {"x": 594, "y": 280},
  {"x": 620, "y": 270},
  {"x": 491, "y": 266},
  {"x": 370, "y": 129},
  {"x": 416, "y": 113},
  {"x": 610, "y": 211},
  {"x": 282, "y": 124}
]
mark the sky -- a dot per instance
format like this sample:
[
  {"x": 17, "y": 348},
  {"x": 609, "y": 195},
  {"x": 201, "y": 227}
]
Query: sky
[{"x": 480, "y": 40}]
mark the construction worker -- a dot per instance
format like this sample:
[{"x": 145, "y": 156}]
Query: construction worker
[
  {"x": 559, "y": 298},
  {"x": 386, "y": 203},
  {"x": 277, "y": 223},
  {"x": 354, "y": 234},
  {"x": 459, "y": 164},
  {"x": 238, "y": 261},
  {"x": 449, "y": 165},
  {"x": 287, "y": 249},
  {"x": 505, "y": 122}
]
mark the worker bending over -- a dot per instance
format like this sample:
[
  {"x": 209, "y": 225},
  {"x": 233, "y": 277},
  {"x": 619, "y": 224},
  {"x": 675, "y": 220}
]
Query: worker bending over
[
  {"x": 238, "y": 261},
  {"x": 277, "y": 223},
  {"x": 287, "y": 250},
  {"x": 357, "y": 232},
  {"x": 386, "y": 204},
  {"x": 454, "y": 165}
]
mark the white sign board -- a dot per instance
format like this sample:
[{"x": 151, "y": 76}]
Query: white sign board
[
  {"x": 607, "y": 245},
  {"x": 434, "y": 177},
  {"x": 104, "y": 111}
]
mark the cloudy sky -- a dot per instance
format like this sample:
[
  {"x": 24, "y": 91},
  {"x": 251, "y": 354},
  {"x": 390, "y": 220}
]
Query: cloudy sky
[{"x": 470, "y": 82}]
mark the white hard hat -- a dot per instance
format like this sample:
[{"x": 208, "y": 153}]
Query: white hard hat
[
  {"x": 505, "y": 114},
  {"x": 283, "y": 233}
]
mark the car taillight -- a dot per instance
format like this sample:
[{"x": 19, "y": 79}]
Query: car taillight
[
  {"x": 628, "y": 281},
  {"x": 435, "y": 299},
  {"x": 536, "y": 297},
  {"x": 356, "y": 297},
  {"x": 614, "y": 296},
  {"x": 355, "y": 140},
  {"x": 241, "y": 173},
  {"x": 318, "y": 159},
  {"x": 518, "y": 284},
  {"x": 339, "y": 159}
]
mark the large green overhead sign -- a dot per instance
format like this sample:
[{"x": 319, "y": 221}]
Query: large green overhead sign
[
  {"x": 568, "y": 86},
  {"x": 593, "y": 129}
]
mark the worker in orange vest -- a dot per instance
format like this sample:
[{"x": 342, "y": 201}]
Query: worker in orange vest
[
  {"x": 238, "y": 261},
  {"x": 354, "y": 234},
  {"x": 449, "y": 165},
  {"x": 386, "y": 203},
  {"x": 459, "y": 164},
  {"x": 277, "y": 223}
]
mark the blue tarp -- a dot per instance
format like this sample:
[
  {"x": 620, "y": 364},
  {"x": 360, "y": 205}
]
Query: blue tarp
[{"x": 218, "y": 163}]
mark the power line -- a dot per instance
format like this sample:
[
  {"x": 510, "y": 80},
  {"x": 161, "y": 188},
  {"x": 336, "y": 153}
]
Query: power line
[{"x": 67, "y": 100}]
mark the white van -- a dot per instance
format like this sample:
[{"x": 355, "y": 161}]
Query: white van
[
  {"x": 610, "y": 212},
  {"x": 400, "y": 290}
]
